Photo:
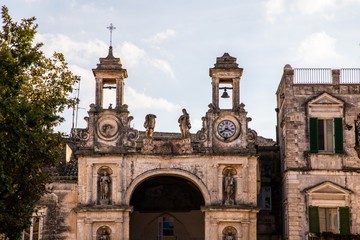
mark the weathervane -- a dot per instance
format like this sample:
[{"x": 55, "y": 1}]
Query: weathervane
[{"x": 111, "y": 28}]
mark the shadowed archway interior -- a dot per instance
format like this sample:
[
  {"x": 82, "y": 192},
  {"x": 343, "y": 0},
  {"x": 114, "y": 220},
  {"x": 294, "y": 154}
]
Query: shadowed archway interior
[{"x": 166, "y": 193}]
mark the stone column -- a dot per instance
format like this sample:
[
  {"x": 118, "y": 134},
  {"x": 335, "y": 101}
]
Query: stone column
[
  {"x": 236, "y": 93},
  {"x": 220, "y": 189},
  {"x": 207, "y": 226},
  {"x": 215, "y": 91},
  {"x": 245, "y": 232},
  {"x": 253, "y": 227},
  {"x": 119, "y": 92},
  {"x": 118, "y": 185},
  {"x": 211, "y": 226},
  {"x": 80, "y": 230},
  {"x": 41, "y": 226},
  {"x": 126, "y": 225},
  {"x": 32, "y": 229},
  {"x": 99, "y": 93},
  {"x": 89, "y": 183},
  {"x": 335, "y": 76},
  {"x": 88, "y": 230}
]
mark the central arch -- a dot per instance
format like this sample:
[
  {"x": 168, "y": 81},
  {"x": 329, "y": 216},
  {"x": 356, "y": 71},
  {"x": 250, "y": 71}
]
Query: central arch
[
  {"x": 167, "y": 172},
  {"x": 166, "y": 206}
]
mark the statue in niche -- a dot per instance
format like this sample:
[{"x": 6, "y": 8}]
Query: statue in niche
[
  {"x": 229, "y": 233},
  {"x": 104, "y": 188},
  {"x": 104, "y": 235},
  {"x": 149, "y": 125},
  {"x": 229, "y": 189},
  {"x": 184, "y": 123}
]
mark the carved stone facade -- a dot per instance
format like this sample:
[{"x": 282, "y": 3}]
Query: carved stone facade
[
  {"x": 224, "y": 182},
  {"x": 148, "y": 185}
]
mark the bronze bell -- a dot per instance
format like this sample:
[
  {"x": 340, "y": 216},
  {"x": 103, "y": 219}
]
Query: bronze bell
[{"x": 225, "y": 94}]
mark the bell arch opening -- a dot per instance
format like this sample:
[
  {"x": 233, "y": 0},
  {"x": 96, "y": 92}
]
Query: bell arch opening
[{"x": 166, "y": 207}]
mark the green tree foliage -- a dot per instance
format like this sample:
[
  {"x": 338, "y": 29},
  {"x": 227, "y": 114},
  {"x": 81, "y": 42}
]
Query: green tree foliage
[{"x": 33, "y": 91}]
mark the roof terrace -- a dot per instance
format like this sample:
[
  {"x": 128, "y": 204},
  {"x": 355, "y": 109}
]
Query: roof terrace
[{"x": 326, "y": 76}]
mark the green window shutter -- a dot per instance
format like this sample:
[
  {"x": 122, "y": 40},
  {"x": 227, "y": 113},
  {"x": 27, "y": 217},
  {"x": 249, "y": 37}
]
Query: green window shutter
[
  {"x": 314, "y": 135},
  {"x": 314, "y": 225},
  {"x": 344, "y": 217},
  {"x": 338, "y": 133}
]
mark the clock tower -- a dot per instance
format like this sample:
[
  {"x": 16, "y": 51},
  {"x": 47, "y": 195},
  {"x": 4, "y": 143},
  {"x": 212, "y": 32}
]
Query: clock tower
[{"x": 225, "y": 130}]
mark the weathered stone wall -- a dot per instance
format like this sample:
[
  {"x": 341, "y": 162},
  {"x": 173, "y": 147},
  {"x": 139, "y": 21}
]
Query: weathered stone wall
[
  {"x": 60, "y": 218},
  {"x": 296, "y": 182},
  {"x": 128, "y": 171},
  {"x": 302, "y": 169},
  {"x": 204, "y": 171}
]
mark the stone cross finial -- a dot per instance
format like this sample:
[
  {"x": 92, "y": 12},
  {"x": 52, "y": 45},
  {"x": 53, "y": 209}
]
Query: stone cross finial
[{"x": 111, "y": 28}]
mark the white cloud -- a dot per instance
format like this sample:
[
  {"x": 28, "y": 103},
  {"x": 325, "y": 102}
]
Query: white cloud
[
  {"x": 163, "y": 66},
  {"x": 318, "y": 49},
  {"x": 161, "y": 36},
  {"x": 324, "y": 8},
  {"x": 142, "y": 101},
  {"x": 131, "y": 54},
  {"x": 84, "y": 53},
  {"x": 80, "y": 53},
  {"x": 274, "y": 8}
]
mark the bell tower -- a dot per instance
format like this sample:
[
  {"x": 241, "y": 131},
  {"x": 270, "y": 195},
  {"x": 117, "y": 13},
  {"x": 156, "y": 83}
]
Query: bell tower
[
  {"x": 225, "y": 130},
  {"x": 109, "y": 74},
  {"x": 225, "y": 75},
  {"x": 109, "y": 127}
]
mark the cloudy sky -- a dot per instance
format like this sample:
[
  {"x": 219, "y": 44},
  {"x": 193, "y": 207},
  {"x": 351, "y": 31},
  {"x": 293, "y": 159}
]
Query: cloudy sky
[{"x": 168, "y": 47}]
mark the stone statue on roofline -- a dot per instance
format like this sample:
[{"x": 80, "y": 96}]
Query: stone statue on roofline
[
  {"x": 184, "y": 123},
  {"x": 149, "y": 125}
]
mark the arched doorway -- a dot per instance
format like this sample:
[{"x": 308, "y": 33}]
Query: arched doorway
[{"x": 166, "y": 208}]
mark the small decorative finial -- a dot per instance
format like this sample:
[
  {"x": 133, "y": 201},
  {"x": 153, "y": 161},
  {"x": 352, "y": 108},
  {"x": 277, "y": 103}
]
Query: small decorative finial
[{"x": 111, "y": 28}]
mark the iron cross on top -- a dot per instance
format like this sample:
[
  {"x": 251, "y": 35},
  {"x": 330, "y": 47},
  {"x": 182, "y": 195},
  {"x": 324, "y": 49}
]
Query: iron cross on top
[{"x": 111, "y": 28}]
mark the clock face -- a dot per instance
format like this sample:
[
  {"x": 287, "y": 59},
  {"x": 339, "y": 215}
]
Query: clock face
[{"x": 226, "y": 129}]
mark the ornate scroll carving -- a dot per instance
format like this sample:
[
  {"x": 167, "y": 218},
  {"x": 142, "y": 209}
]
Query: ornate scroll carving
[
  {"x": 202, "y": 133},
  {"x": 251, "y": 136}
]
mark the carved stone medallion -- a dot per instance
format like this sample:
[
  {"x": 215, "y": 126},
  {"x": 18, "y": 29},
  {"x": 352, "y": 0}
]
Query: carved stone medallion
[{"x": 108, "y": 128}]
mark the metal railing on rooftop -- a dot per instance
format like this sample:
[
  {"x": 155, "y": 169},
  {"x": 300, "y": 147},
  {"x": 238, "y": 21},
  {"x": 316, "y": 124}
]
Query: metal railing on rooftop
[
  {"x": 312, "y": 76},
  {"x": 326, "y": 76},
  {"x": 350, "y": 75}
]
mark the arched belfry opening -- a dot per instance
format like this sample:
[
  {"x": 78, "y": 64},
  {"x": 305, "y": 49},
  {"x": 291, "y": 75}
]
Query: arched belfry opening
[{"x": 166, "y": 207}]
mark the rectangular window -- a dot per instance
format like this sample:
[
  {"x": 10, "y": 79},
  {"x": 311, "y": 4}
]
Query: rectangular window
[
  {"x": 335, "y": 220},
  {"x": 166, "y": 228},
  {"x": 326, "y": 135},
  {"x": 33, "y": 232},
  {"x": 328, "y": 220},
  {"x": 264, "y": 198}
]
